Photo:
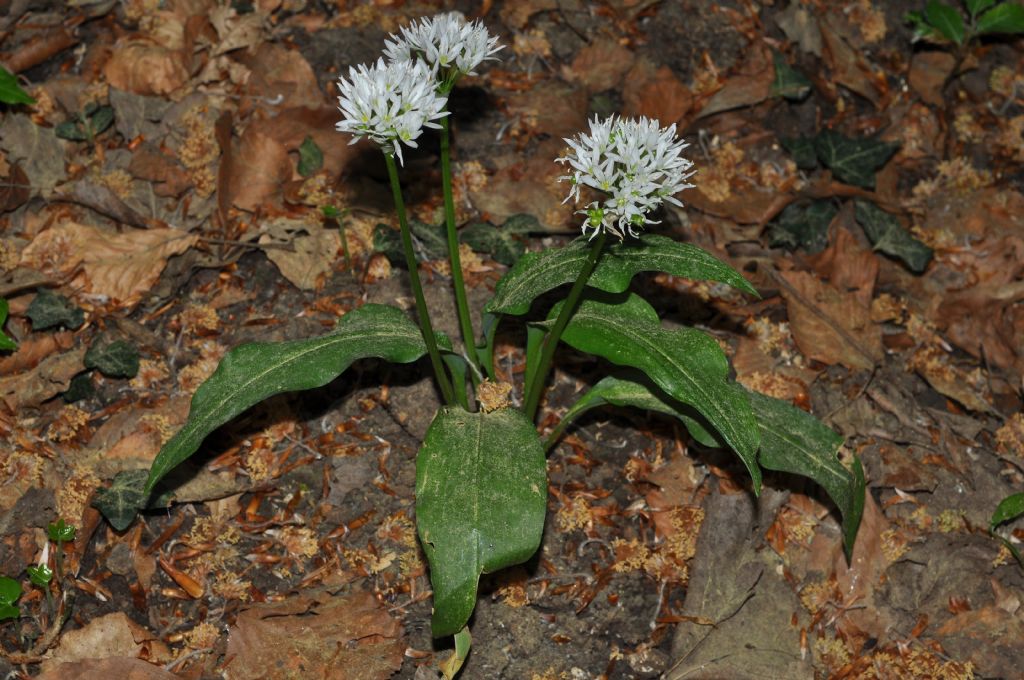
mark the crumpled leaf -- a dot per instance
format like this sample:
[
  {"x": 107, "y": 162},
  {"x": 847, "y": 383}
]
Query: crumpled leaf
[
  {"x": 751, "y": 85},
  {"x": 120, "y": 502},
  {"x": 313, "y": 254},
  {"x": 888, "y": 236},
  {"x": 37, "y": 150},
  {"x": 109, "y": 636},
  {"x": 51, "y": 377},
  {"x": 141, "y": 66}
]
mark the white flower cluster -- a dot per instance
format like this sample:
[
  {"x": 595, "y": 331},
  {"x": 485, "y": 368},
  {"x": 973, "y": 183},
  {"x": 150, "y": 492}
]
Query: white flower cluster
[
  {"x": 636, "y": 163},
  {"x": 390, "y": 103},
  {"x": 447, "y": 43}
]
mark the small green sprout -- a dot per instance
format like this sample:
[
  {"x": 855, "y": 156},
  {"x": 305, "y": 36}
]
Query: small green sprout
[
  {"x": 10, "y": 591},
  {"x": 942, "y": 22},
  {"x": 1009, "y": 508},
  {"x": 60, "y": 533}
]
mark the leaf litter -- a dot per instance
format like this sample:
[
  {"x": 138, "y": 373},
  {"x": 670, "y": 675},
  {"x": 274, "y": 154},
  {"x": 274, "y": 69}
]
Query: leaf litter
[{"x": 194, "y": 222}]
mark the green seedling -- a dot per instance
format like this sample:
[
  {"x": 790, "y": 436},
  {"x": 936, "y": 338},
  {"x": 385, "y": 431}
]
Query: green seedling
[
  {"x": 941, "y": 22},
  {"x": 60, "y": 533},
  {"x": 10, "y": 91},
  {"x": 6, "y": 343},
  {"x": 87, "y": 125},
  {"x": 1010, "y": 508},
  {"x": 10, "y": 591}
]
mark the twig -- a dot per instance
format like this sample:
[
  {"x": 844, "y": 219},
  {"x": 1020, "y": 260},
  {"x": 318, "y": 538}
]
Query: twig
[{"x": 248, "y": 244}]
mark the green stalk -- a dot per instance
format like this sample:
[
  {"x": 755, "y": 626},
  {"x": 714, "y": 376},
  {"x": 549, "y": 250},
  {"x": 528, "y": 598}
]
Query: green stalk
[
  {"x": 465, "y": 321},
  {"x": 535, "y": 388},
  {"x": 417, "y": 288}
]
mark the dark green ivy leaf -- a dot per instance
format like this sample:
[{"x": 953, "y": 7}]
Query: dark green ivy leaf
[
  {"x": 123, "y": 499},
  {"x": 118, "y": 359},
  {"x": 803, "y": 226},
  {"x": 311, "y": 158},
  {"x": 802, "y": 150},
  {"x": 789, "y": 83},
  {"x": 80, "y": 388},
  {"x": 501, "y": 243},
  {"x": 431, "y": 242},
  {"x": 853, "y": 161},
  {"x": 49, "y": 309},
  {"x": 889, "y": 237},
  {"x": 10, "y": 91}
]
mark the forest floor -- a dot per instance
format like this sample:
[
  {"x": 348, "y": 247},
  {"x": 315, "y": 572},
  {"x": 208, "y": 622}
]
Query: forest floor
[{"x": 162, "y": 202}]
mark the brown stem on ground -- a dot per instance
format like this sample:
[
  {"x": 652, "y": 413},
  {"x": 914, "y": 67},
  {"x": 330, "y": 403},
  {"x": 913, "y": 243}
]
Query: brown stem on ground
[{"x": 39, "y": 49}]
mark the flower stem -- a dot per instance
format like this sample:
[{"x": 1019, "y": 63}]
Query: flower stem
[
  {"x": 414, "y": 279},
  {"x": 551, "y": 341},
  {"x": 465, "y": 320}
]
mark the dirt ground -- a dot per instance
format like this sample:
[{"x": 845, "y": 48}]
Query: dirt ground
[{"x": 190, "y": 222}]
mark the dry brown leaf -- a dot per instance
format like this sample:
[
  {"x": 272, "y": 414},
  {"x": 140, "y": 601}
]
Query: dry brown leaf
[
  {"x": 34, "y": 349},
  {"x": 253, "y": 170},
  {"x": 858, "y": 580},
  {"x": 848, "y": 265},
  {"x": 988, "y": 637},
  {"x": 655, "y": 92},
  {"x": 315, "y": 251},
  {"x": 531, "y": 187},
  {"x": 341, "y": 637},
  {"x": 848, "y": 66},
  {"x": 552, "y": 107},
  {"x": 291, "y": 127},
  {"x": 282, "y": 75},
  {"x": 120, "y": 266},
  {"x": 830, "y": 325},
  {"x": 235, "y": 32},
  {"x": 167, "y": 175},
  {"x": 936, "y": 366},
  {"x": 750, "y": 85},
  {"x": 51, "y": 377},
  {"x": 928, "y": 73},
  {"x": 105, "y": 669},
  {"x": 600, "y": 65},
  {"x": 141, "y": 66},
  {"x": 110, "y": 636}
]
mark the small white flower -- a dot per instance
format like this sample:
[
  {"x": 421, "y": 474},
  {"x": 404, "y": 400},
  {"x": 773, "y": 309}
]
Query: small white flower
[
  {"x": 390, "y": 103},
  {"x": 448, "y": 44},
  {"x": 637, "y": 164}
]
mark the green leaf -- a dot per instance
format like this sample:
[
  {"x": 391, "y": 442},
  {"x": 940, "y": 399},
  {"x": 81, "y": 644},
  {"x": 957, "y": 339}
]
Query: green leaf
[
  {"x": 430, "y": 240},
  {"x": 485, "y": 346},
  {"x": 946, "y": 20},
  {"x": 50, "y": 309},
  {"x": 975, "y": 7},
  {"x": 1005, "y": 18},
  {"x": 9, "y": 611},
  {"x": 39, "y": 575},
  {"x": 250, "y": 373},
  {"x": 922, "y": 29},
  {"x": 10, "y": 91},
  {"x": 888, "y": 236},
  {"x": 120, "y": 502},
  {"x": 100, "y": 118},
  {"x": 10, "y": 590},
  {"x": 686, "y": 363},
  {"x": 311, "y": 158},
  {"x": 789, "y": 83},
  {"x": 803, "y": 225},
  {"x": 794, "y": 441},
  {"x": 802, "y": 150},
  {"x": 6, "y": 343},
  {"x": 481, "y": 497},
  {"x": 853, "y": 161},
  {"x": 501, "y": 243},
  {"x": 118, "y": 359},
  {"x": 71, "y": 130},
  {"x": 536, "y": 273},
  {"x": 60, "y": 531},
  {"x": 1008, "y": 509},
  {"x": 79, "y": 388}
]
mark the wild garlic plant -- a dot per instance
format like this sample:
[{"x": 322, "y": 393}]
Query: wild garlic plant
[{"x": 481, "y": 483}]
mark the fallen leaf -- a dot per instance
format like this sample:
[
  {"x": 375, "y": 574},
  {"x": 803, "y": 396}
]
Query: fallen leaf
[
  {"x": 751, "y": 84},
  {"x": 141, "y": 66},
  {"x": 105, "y": 669},
  {"x": 552, "y": 107},
  {"x": 988, "y": 637},
  {"x": 655, "y": 92},
  {"x": 797, "y": 22},
  {"x": 282, "y": 75},
  {"x": 253, "y": 170},
  {"x": 936, "y": 366},
  {"x": 109, "y": 636},
  {"x": 928, "y": 73},
  {"x": 600, "y": 65},
  {"x": 848, "y": 66},
  {"x": 858, "y": 579},
  {"x": 167, "y": 175},
  {"x": 51, "y": 377},
  {"x": 315, "y": 250},
  {"x": 36, "y": 149},
  {"x": 316, "y": 634},
  {"x": 529, "y": 187}
]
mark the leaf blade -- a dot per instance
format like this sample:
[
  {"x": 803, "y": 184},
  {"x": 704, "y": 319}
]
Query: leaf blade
[
  {"x": 1004, "y": 18},
  {"x": 946, "y": 20}
]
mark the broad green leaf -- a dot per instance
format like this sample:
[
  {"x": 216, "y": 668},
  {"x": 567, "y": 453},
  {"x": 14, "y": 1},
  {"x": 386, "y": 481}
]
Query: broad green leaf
[
  {"x": 852, "y": 160},
  {"x": 802, "y": 150},
  {"x": 481, "y": 497},
  {"x": 9, "y": 611},
  {"x": 976, "y": 7},
  {"x": 803, "y": 225},
  {"x": 485, "y": 348},
  {"x": 120, "y": 502},
  {"x": 789, "y": 83},
  {"x": 60, "y": 531},
  {"x": 686, "y": 363},
  {"x": 118, "y": 359},
  {"x": 1005, "y": 18},
  {"x": 536, "y": 273},
  {"x": 1009, "y": 508},
  {"x": 888, "y": 236},
  {"x": 535, "y": 335},
  {"x": 6, "y": 343},
  {"x": 311, "y": 158},
  {"x": 79, "y": 388},
  {"x": 49, "y": 309},
  {"x": 10, "y": 590},
  {"x": 946, "y": 20},
  {"x": 250, "y": 373},
  {"x": 794, "y": 441},
  {"x": 10, "y": 91}
]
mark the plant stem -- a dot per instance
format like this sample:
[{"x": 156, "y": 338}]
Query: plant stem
[
  {"x": 551, "y": 341},
  {"x": 465, "y": 321},
  {"x": 417, "y": 289}
]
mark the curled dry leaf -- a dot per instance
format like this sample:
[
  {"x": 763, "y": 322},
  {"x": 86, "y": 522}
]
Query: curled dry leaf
[
  {"x": 655, "y": 92},
  {"x": 110, "y": 636},
  {"x": 848, "y": 66},
  {"x": 750, "y": 85},
  {"x": 282, "y": 76},
  {"x": 51, "y": 377},
  {"x": 314, "y": 254},
  {"x": 122, "y": 267},
  {"x": 103, "y": 669},
  {"x": 143, "y": 67},
  {"x": 600, "y": 65},
  {"x": 253, "y": 170},
  {"x": 530, "y": 187}
]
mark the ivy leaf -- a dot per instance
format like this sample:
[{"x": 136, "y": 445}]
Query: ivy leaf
[
  {"x": 49, "y": 309},
  {"x": 888, "y": 236},
  {"x": 1009, "y": 508},
  {"x": 789, "y": 83},
  {"x": 853, "y": 161},
  {"x": 946, "y": 20},
  {"x": 100, "y": 118},
  {"x": 481, "y": 498},
  {"x": 10, "y": 91},
  {"x": 802, "y": 150},
  {"x": 311, "y": 158},
  {"x": 501, "y": 243},
  {"x": 79, "y": 388},
  {"x": 6, "y": 343},
  {"x": 803, "y": 226},
  {"x": 122, "y": 500},
  {"x": 430, "y": 239},
  {"x": 118, "y": 359},
  {"x": 1005, "y": 18}
]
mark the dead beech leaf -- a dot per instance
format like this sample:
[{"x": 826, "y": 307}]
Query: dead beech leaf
[
  {"x": 600, "y": 65},
  {"x": 340, "y": 637},
  {"x": 141, "y": 66},
  {"x": 291, "y": 126},
  {"x": 282, "y": 75},
  {"x": 936, "y": 366},
  {"x": 110, "y": 636},
  {"x": 122, "y": 267},
  {"x": 235, "y": 31},
  {"x": 51, "y": 377},
  {"x": 746, "y": 203},
  {"x": 859, "y": 579},
  {"x": 988, "y": 637},
  {"x": 751, "y": 84},
  {"x": 315, "y": 250},
  {"x": 552, "y": 107},
  {"x": 530, "y": 187},
  {"x": 104, "y": 669},
  {"x": 848, "y": 66},
  {"x": 846, "y": 263},
  {"x": 167, "y": 175},
  {"x": 829, "y": 325},
  {"x": 34, "y": 349},
  {"x": 928, "y": 73},
  {"x": 253, "y": 170},
  {"x": 655, "y": 92}
]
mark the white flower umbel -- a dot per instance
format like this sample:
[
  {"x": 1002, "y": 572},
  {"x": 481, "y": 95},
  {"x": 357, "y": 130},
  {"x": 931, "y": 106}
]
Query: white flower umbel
[
  {"x": 637, "y": 164},
  {"x": 390, "y": 103},
  {"x": 448, "y": 44}
]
